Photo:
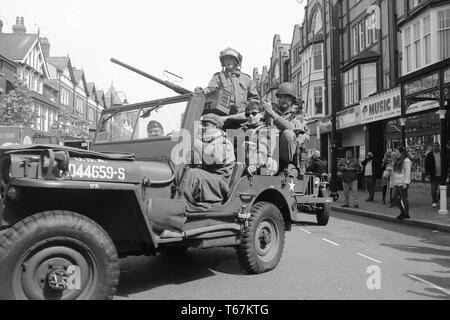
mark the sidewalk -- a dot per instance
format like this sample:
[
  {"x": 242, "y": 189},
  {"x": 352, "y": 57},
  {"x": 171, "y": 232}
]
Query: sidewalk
[{"x": 421, "y": 212}]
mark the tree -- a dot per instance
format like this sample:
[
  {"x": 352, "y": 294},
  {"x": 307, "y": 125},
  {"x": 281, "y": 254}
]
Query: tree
[
  {"x": 67, "y": 126},
  {"x": 17, "y": 107}
]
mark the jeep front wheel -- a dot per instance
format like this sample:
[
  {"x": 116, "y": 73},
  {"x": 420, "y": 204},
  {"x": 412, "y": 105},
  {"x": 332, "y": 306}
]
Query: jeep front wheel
[
  {"x": 262, "y": 243},
  {"x": 57, "y": 255},
  {"x": 324, "y": 215}
]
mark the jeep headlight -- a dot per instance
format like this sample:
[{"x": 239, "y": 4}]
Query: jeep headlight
[{"x": 317, "y": 182}]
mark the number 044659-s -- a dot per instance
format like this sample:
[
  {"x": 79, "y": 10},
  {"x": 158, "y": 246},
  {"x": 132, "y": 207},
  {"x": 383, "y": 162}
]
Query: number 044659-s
[{"x": 96, "y": 172}]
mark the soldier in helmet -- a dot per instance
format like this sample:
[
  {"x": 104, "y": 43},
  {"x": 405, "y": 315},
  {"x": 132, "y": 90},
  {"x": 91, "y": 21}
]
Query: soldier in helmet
[
  {"x": 231, "y": 78},
  {"x": 289, "y": 119},
  {"x": 209, "y": 183}
]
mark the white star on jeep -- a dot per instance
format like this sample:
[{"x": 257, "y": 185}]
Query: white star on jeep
[{"x": 292, "y": 186}]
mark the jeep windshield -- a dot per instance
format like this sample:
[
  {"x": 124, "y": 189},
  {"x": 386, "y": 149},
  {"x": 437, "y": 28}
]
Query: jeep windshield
[{"x": 151, "y": 120}]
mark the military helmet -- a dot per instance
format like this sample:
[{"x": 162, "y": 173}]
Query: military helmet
[
  {"x": 232, "y": 53},
  {"x": 289, "y": 89}
]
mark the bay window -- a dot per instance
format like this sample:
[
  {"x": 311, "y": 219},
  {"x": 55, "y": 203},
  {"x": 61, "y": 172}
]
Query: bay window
[
  {"x": 427, "y": 40},
  {"x": 444, "y": 34},
  {"x": 368, "y": 79}
]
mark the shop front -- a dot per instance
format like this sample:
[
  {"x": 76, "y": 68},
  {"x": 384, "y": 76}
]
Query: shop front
[
  {"x": 351, "y": 133},
  {"x": 381, "y": 115}
]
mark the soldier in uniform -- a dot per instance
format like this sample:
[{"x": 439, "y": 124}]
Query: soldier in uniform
[
  {"x": 241, "y": 85},
  {"x": 290, "y": 120},
  {"x": 155, "y": 129},
  {"x": 257, "y": 146},
  {"x": 209, "y": 184}
]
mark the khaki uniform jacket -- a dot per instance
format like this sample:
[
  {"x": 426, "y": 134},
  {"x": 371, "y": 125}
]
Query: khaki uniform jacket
[
  {"x": 241, "y": 86},
  {"x": 284, "y": 122}
]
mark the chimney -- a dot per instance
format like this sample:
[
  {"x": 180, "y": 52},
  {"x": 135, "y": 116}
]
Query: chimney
[
  {"x": 19, "y": 27},
  {"x": 1, "y": 26},
  {"x": 45, "y": 45}
]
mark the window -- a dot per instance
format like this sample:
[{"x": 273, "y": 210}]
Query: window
[
  {"x": 371, "y": 29},
  {"x": 318, "y": 100},
  {"x": 417, "y": 46},
  {"x": 408, "y": 54},
  {"x": 413, "y": 4},
  {"x": 427, "y": 40},
  {"x": 351, "y": 86},
  {"x": 368, "y": 79},
  {"x": 317, "y": 52},
  {"x": 361, "y": 36},
  {"x": 444, "y": 34},
  {"x": 355, "y": 40}
]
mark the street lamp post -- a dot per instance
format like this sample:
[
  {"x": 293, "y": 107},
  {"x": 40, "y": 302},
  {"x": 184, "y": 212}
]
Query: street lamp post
[
  {"x": 443, "y": 106},
  {"x": 334, "y": 100}
]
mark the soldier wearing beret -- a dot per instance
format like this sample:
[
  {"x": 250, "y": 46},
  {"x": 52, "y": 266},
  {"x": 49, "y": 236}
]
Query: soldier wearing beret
[{"x": 155, "y": 129}]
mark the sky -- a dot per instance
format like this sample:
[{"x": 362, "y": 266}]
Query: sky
[{"x": 183, "y": 37}]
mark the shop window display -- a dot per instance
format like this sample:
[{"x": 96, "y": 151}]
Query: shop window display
[{"x": 421, "y": 132}]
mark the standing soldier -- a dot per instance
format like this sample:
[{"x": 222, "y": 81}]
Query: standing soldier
[
  {"x": 231, "y": 78},
  {"x": 289, "y": 119}
]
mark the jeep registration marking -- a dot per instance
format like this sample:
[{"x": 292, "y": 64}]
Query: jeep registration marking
[{"x": 96, "y": 172}]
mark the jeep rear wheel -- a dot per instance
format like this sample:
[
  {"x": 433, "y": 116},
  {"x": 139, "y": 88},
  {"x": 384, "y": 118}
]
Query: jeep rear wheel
[
  {"x": 262, "y": 242},
  {"x": 57, "y": 255},
  {"x": 323, "y": 216}
]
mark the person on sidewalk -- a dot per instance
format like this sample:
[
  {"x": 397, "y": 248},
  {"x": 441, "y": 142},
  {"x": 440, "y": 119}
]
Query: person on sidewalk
[
  {"x": 433, "y": 171},
  {"x": 316, "y": 165},
  {"x": 370, "y": 169},
  {"x": 350, "y": 167},
  {"x": 401, "y": 179},
  {"x": 386, "y": 169}
]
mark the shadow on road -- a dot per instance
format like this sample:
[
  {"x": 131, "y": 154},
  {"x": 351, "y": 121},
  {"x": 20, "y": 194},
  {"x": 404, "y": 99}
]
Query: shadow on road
[
  {"x": 433, "y": 293},
  {"x": 140, "y": 274}
]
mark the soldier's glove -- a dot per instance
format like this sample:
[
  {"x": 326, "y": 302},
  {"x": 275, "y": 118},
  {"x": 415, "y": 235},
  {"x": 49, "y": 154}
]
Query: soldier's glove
[{"x": 199, "y": 91}]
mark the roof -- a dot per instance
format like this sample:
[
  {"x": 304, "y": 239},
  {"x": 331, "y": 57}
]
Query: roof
[
  {"x": 78, "y": 74},
  {"x": 90, "y": 86},
  {"x": 16, "y": 46},
  {"x": 52, "y": 83},
  {"x": 59, "y": 62}
]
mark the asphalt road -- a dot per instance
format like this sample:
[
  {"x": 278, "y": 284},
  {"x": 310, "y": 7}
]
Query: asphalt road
[{"x": 352, "y": 258}]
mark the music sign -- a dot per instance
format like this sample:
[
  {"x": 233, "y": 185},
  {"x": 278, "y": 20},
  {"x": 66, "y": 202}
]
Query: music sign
[{"x": 381, "y": 106}]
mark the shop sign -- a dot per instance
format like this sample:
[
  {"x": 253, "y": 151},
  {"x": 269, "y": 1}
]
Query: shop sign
[
  {"x": 349, "y": 117},
  {"x": 387, "y": 105},
  {"x": 382, "y": 106}
]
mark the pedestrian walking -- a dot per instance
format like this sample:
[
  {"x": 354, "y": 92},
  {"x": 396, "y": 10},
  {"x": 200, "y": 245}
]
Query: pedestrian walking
[
  {"x": 350, "y": 167},
  {"x": 371, "y": 168},
  {"x": 401, "y": 179},
  {"x": 433, "y": 171},
  {"x": 386, "y": 169}
]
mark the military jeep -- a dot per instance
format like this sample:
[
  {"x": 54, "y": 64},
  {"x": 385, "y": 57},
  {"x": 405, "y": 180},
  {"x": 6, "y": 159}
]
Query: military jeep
[{"x": 69, "y": 214}]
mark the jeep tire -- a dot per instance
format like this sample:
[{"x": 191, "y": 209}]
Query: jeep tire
[
  {"x": 262, "y": 243},
  {"x": 36, "y": 252},
  {"x": 324, "y": 215}
]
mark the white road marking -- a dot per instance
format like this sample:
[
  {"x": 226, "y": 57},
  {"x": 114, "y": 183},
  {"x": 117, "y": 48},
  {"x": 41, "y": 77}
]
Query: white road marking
[
  {"x": 447, "y": 292},
  {"x": 367, "y": 257},
  {"x": 308, "y": 232},
  {"x": 329, "y": 241}
]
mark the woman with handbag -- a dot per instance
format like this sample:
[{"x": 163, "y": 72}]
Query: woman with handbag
[{"x": 401, "y": 179}]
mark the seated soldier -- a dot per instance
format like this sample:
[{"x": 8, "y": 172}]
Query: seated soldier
[
  {"x": 257, "y": 148},
  {"x": 290, "y": 120},
  {"x": 155, "y": 129},
  {"x": 209, "y": 184}
]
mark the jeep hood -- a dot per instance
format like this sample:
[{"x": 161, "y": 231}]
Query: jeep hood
[{"x": 74, "y": 152}]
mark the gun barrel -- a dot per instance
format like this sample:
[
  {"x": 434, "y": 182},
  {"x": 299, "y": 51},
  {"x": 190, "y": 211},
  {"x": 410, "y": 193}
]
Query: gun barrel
[{"x": 174, "y": 87}]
